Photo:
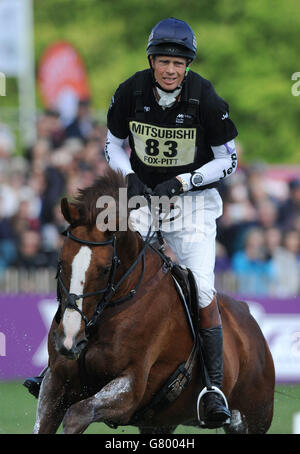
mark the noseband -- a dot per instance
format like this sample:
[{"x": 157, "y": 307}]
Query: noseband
[{"x": 109, "y": 291}]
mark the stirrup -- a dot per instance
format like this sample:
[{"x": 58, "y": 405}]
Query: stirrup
[
  {"x": 214, "y": 424},
  {"x": 33, "y": 384}
]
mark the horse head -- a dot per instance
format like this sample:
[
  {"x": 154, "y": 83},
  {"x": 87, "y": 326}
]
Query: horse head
[{"x": 86, "y": 272}]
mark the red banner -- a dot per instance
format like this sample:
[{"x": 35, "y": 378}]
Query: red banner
[{"x": 60, "y": 69}]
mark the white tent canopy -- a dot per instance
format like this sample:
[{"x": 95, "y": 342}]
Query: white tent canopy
[{"x": 16, "y": 58}]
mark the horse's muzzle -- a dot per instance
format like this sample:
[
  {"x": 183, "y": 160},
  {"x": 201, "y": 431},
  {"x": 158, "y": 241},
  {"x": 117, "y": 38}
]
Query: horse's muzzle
[{"x": 74, "y": 351}]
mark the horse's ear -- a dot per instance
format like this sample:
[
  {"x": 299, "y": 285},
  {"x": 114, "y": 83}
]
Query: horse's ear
[{"x": 69, "y": 211}]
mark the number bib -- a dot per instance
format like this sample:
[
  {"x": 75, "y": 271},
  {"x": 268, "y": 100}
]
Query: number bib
[{"x": 163, "y": 147}]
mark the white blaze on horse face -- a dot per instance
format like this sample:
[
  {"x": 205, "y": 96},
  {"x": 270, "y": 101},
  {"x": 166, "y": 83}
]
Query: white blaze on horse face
[{"x": 72, "y": 319}]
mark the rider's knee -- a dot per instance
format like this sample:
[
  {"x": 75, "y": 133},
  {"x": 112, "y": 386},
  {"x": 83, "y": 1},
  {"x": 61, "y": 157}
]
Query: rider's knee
[{"x": 205, "y": 296}]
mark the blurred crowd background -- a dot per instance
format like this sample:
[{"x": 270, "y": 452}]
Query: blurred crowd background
[
  {"x": 248, "y": 50},
  {"x": 258, "y": 242}
]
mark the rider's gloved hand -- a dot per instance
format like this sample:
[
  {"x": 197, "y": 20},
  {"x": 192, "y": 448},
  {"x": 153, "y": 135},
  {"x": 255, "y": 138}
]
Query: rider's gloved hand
[
  {"x": 169, "y": 188},
  {"x": 134, "y": 185}
]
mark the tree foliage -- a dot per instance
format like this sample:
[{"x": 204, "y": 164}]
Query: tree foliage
[{"x": 249, "y": 50}]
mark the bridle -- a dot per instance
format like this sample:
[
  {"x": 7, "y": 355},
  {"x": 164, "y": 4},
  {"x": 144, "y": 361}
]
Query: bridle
[{"x": 111, "y": 288}]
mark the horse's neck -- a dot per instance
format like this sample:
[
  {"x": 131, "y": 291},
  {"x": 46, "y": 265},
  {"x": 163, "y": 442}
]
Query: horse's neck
[{"x": 129, "y": 247}]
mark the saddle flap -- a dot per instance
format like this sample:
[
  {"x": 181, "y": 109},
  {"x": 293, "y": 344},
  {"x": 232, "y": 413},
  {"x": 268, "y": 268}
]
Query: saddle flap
[{"x": 185, "y": 279}]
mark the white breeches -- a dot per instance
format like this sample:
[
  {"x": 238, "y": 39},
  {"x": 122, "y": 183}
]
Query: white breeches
[{"x": 191, "y": 236}]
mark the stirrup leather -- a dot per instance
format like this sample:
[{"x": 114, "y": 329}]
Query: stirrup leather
[{"x": 211, "y": 389}]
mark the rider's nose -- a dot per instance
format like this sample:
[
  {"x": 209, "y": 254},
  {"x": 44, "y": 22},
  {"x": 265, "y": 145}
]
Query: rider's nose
[{"x": 170, "y": 68}]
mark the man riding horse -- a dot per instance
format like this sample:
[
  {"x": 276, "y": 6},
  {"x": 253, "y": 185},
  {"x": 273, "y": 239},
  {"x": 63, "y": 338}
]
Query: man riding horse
[{"x": 181, "y": 140}]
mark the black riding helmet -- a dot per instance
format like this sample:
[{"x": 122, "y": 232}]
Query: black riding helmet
[{"x": 172, "y": 37}]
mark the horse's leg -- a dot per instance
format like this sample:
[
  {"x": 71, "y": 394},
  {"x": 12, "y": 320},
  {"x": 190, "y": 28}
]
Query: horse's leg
[
  {"x": 253, "y": 400},
  {"x": 255, "y": 414},
  {"x": 50, "y": 410},
  {"x": 254, "y": 418},
  {"x": 114, "y": 403}
]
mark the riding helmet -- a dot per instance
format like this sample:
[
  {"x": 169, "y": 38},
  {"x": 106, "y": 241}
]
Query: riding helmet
[{"x": 172, "y": 37}]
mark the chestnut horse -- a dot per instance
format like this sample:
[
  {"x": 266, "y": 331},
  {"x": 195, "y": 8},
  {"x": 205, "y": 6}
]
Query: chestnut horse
[{"x": 121, "y": 331}]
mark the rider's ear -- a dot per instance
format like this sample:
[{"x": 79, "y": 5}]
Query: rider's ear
[
  {"x": 151, "y": 60},
  {"x": 69, "y": 211}
]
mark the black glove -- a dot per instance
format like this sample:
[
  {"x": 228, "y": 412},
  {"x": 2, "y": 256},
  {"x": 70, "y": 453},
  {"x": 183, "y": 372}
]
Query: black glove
[
  {"x": 169, "y": 188},
  {"x": 134, "y": 185}
]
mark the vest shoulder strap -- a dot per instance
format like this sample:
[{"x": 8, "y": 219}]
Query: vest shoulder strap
[
  {"x": 140, "y": 79},
  {"x": 193, "y": 97}
]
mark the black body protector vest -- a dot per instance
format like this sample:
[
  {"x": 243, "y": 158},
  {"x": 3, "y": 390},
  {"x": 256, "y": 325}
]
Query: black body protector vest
[{"x": 177, "y": 144}]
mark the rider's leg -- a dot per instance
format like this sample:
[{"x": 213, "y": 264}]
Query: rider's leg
[{"x": 214, "y": 407}]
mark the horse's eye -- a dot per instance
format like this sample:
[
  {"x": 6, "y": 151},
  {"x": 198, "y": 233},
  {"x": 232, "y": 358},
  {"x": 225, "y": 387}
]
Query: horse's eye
[{"x": 104, "y": 271}]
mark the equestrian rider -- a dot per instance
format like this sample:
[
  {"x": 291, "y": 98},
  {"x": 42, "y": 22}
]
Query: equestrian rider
[{"x": 181, "y": 140}]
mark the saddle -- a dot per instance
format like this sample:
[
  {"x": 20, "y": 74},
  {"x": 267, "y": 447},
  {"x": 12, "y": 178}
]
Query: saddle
[{"x": 185, "y": 285}]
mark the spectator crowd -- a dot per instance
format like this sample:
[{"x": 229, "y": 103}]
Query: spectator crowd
[{"x": 258, "y": 235}]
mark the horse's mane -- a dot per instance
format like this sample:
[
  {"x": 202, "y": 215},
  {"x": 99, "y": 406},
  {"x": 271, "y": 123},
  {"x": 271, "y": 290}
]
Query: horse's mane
[{"x": 107, "y": 184}]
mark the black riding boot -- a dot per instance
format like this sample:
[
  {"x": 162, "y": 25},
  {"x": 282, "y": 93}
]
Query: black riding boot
[
  {"x": 33, "y": 384},
  {"x": 215, "y": 412}
]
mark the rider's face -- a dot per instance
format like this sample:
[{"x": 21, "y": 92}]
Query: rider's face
[{"x": 168, "y": 71}]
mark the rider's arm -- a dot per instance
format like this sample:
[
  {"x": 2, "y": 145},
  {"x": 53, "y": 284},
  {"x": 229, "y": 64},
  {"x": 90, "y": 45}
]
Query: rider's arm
[
  {"x": 220, "y": 132},
  {"x": 223, "y": 165},
  {"x": 115, "y": 154},
  {"x": 118, "y": 128}
]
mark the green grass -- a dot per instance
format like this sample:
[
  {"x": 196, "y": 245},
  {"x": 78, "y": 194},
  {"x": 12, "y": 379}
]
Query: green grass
[{"x": 18, "y": 407}]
